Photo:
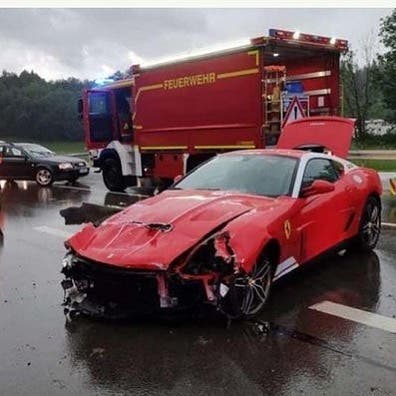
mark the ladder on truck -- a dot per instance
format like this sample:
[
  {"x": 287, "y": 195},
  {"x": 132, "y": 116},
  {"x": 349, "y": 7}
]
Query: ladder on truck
[{"x": 274, "y": 84}]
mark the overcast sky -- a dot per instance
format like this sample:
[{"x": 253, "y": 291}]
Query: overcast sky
[{"x": 93, "y": 43}]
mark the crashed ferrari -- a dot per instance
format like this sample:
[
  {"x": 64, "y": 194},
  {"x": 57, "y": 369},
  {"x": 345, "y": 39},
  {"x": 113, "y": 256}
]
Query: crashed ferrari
[{"x": 227, "y": 231}]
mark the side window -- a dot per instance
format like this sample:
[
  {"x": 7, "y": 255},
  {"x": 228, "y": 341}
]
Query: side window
[
  {"x": 12, "y": 152},
  {"x": 339, "y": 168},
  {"x": 321, "y": 169},
  {"x": 99, "y": 103}
]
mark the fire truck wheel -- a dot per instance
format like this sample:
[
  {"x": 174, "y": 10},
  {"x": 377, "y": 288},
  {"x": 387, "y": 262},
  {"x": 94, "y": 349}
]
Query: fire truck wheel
[
  {"x": 112, "y": 175},
  {"x": 44, "y": 177}
]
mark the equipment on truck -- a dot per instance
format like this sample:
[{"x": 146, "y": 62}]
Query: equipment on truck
[{"x": 177, "y": 113}]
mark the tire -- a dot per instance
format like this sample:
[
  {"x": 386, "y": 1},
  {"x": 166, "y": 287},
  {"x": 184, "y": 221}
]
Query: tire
[
  {"x": 249, "y": 293},
  {"x": 112, "y": 175},
  {"x": 44, "y": 177},
  {"x": 370, "y": 225}
]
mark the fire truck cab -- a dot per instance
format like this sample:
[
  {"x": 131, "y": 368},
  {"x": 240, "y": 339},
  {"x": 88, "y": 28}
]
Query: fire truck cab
[{"x": 178, "y": 112}]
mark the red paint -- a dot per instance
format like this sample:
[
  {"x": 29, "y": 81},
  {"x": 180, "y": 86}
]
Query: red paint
[
  {"x": 247, "y": 222},
  {"x": 168, "y": 163},
  {"x": 334, "y": 133},
  {"x": 223, "y": 110}
]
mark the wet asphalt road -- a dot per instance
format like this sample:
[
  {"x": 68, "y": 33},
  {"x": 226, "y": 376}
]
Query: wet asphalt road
[{"x": 291, "y": 350}]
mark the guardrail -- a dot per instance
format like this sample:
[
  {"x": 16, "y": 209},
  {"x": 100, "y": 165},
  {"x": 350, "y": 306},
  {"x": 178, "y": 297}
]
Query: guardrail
[
  {"x": 84, "y": 154},
  {"x": 373, "y": 154}
]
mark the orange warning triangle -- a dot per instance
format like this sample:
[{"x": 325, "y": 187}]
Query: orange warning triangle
[{"x": 294, "y": 112}]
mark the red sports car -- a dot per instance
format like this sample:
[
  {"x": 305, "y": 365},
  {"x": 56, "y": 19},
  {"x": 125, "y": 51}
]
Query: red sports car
[{"x": 225, "y": 232}]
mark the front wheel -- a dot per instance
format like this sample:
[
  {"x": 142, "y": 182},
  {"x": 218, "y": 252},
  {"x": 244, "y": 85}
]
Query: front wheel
[
  {"x": 112, "y": 175},
  {"x": 370, "y": 225},
  {"x": 44, "y": 177},
  {"x": 249, "y": 293}
]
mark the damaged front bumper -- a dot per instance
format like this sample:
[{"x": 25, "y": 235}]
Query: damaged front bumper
[
  {"x": 202, "y": 275},
  {"x": 100, "y": 290}
]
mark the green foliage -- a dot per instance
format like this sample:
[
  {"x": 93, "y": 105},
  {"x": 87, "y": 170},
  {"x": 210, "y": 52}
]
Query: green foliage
[
  {"x": 362, "y": 95},
  {"x": 387, "y": 63},
  {"x": 369, "y": 91},
  {"x": 384, "y": 142},
  {"x": 379, "y": 165},
  {"x": 34, "y": 109}
]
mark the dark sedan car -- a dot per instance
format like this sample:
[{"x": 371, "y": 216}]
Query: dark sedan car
[{"x": 28, "y": 161}]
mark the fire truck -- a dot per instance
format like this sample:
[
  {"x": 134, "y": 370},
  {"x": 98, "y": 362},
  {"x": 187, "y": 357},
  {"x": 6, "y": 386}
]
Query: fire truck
[{"x": 174, "y": 114}]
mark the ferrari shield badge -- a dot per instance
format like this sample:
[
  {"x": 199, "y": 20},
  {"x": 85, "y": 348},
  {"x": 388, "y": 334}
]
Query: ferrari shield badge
[{"x": 287, "y": 228}]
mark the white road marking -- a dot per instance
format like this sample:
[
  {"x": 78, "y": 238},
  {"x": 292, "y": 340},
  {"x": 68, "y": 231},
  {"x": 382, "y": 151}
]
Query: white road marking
[
  {"x": 53, "y": 231},
  {"x": 356, "y": 315}
]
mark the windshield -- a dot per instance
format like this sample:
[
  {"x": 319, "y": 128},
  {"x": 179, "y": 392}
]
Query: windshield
[
  {"x": 268, "y": 175},
  {"x": 36, "y": 150}
]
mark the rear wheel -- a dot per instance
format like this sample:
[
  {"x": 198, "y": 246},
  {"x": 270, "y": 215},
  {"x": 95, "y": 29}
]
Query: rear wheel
[
  {"x": 370, "y": 225},
  {"x": 249, "y": 293},
  {"x": 112, "y": 175},
  {"x": 44, "y": 177}
]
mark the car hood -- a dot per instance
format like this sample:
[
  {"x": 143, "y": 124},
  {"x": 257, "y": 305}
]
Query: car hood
[
  {"x": 59, "y": 159},
  {"x": 329, "y": 132},
  {"x": 133, "y": 238}
]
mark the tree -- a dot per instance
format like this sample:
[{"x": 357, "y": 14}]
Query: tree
[
  {"x": 387, "y": 62},
  {"x": 34, "y": 109},
  {"x": 358, "y": 85}
]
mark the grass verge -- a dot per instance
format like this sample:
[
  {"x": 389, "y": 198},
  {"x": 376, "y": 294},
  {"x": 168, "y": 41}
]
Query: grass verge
[
  {"x": 65, "y": 147},
  {"x": 379, "y": 165}
]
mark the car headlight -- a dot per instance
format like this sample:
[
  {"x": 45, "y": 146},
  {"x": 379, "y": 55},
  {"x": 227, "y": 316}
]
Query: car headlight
[{"x": 65, "y": 166}]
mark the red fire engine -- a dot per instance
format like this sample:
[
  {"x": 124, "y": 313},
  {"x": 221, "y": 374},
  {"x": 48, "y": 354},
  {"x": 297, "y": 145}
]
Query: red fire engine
[{"x": 175, "y": 114}]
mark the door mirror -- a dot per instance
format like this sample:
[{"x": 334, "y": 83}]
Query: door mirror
[
  {"x": 317, "y": 187},
  {"x": 177, "y": 178}
]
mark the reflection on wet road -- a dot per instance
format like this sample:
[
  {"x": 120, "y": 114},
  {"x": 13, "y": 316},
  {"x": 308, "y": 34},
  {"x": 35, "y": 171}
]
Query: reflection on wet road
[{"x": 291, "y": 350}]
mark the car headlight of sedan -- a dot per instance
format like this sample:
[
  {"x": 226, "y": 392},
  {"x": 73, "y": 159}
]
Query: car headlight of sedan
[{"x": 65, "y": 166}]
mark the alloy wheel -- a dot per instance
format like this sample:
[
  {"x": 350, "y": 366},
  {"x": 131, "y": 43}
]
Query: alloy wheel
[
  {"x": 253, "y": 289},
  {"x": 371, "y": 226},
  {"x": 44, "y": 177}
]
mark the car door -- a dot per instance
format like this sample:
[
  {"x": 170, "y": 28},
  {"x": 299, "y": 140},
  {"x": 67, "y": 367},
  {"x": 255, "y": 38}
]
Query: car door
[
  {"x": 100, "y": 118},
  {"x": 322, "y": 217},
  {"x": 14, "y": 163}
]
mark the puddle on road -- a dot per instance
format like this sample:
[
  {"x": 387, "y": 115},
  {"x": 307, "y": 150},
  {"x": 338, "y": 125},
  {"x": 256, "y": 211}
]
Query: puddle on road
[
  {"x": 94, "y": 213},
  {"x": 87, "y": 213}
]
